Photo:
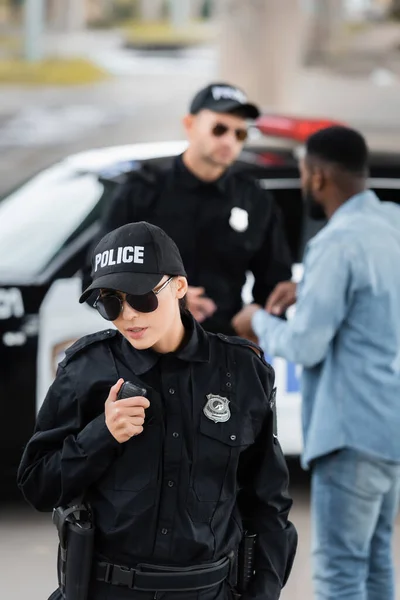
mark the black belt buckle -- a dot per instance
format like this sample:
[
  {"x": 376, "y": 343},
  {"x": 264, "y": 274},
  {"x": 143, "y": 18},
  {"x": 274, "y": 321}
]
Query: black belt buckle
[{"x": 117, "y": 575}]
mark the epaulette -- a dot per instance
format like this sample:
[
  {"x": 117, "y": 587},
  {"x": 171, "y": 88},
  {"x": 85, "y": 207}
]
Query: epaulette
[
  {"x": 238, "y": 341},
  {"x": 143, "y": 174},
  {"x": 148, "y": 173},
  {"x": 86, "y": 341}
]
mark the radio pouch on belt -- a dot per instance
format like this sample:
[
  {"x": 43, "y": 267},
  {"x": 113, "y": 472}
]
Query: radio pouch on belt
[
  {"x": 246, "y": 561},
  {"x": 76, "y": 530}
]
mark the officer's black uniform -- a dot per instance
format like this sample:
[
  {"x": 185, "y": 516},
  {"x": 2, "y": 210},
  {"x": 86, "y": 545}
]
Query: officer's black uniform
[
  {"x": 206, "y": 464},
  {"x": 203, "y": 220},
  {"x": 178, "y": 493}
]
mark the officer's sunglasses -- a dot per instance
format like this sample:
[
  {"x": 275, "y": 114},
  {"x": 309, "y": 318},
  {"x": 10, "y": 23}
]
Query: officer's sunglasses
[
  {"x": 110, "y": 305},
  {"x": 220, "y": 129}
]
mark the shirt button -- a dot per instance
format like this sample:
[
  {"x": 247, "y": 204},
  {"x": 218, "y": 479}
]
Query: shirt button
[
  {"x": 233, "y": 438},
  {"x": 175, "y": 434},
  {"x": 171, "y": 391},
  {"x": 170, "y": 484},
  {"x": 228, "y": 374},
  {"x": 164, "y": 531},
  {"x": 228, "y": 385}
]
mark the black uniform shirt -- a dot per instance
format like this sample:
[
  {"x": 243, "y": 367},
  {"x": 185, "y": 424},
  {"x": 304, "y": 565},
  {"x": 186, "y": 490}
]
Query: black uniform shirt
[
  {"x": 178, "y": 493},
  {"x": 223, "y": 229}
]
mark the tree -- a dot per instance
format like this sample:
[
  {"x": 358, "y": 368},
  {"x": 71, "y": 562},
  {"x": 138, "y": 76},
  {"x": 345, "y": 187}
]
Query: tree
[
  {"x": 261, "y": 48},
  {"x": 326, "y": 16},
  {"x": 33, "y": 35},
  {"x": 67, "y": 15}
]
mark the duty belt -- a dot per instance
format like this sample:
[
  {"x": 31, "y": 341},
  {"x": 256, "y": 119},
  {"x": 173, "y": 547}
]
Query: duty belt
[{"x": 154, "y": 578}]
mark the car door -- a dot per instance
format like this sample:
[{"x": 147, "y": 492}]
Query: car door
[{"x": 46, "y": 226}]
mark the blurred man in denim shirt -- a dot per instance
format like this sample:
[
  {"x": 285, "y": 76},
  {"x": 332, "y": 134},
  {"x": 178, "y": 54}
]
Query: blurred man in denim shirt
[{"x": 346, "y": 334}]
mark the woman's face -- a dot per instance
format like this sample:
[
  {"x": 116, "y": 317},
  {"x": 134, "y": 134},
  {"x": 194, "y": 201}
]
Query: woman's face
[{"x": 152, "y": 330}]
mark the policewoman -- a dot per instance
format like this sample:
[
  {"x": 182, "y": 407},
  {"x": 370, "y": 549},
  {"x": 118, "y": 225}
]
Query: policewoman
[{"x": 173, "y": 476}]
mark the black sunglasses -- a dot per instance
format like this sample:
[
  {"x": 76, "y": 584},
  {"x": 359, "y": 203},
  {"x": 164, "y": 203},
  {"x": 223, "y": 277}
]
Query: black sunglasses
[
  {"x": 220, "y": 129},
  {"x": 110, "y": 305}
]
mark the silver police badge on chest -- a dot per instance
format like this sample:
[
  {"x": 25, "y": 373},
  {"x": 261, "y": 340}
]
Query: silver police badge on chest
[
  {"x": 239, "y": 219},
  {"x": 217, "y": 408}
]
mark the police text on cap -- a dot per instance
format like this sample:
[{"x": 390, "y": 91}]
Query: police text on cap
[
  {"x": 125, "y": 254},
  {"x": 228, "y": 93}
]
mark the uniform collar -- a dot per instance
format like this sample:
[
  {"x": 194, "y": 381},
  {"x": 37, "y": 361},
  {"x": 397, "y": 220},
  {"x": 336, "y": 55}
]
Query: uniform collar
[
  {"x": 196, "y": 349},
  {"x": 189, "y": 179}
]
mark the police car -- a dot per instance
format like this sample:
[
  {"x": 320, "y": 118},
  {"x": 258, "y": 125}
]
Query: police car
[{"x": 46, "y": 227}]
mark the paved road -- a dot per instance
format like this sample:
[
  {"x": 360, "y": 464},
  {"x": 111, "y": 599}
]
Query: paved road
[{"x": 28, "y": 545}]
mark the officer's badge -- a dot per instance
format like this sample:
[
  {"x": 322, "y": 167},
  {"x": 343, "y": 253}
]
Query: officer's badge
[
  {"x": 217, "y": 408},
  {"x": 239, "y": 219}
]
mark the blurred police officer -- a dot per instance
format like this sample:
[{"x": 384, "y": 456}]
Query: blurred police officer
[
  {"x": 173, "y": 473},
  {"x": 222, "y": 221}
]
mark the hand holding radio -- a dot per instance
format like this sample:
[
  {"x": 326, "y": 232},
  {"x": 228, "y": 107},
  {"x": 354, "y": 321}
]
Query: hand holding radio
[{"x": 125, "y": 410}]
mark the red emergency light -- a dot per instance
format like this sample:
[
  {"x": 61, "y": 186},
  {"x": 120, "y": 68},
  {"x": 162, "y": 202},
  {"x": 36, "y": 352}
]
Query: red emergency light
[{"x": 292, "y": 128}]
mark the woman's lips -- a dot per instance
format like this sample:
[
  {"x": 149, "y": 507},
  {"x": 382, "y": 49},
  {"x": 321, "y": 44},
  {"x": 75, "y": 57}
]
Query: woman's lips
[{"x": 136, "y": 333}]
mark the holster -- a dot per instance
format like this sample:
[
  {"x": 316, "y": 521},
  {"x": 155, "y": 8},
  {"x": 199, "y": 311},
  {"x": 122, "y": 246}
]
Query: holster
[{"x": 76, "y": 531}]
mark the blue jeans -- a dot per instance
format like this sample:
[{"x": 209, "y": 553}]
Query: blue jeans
[{"x": 354, "y": 503}]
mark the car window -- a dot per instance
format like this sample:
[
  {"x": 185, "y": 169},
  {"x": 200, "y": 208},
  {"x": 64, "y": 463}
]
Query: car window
[
  {"x": 388, "y": 195},
  {"x": 291, "y": 207},
  {"x": 93, "y": 216},
  {"x": 38, "y": 218}
]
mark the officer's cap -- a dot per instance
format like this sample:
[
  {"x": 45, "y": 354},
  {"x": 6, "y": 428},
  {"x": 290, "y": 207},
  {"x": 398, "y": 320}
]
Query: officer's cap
[
  {"x": 223, "y": 98},
  {"x": 133, "y": 259}
]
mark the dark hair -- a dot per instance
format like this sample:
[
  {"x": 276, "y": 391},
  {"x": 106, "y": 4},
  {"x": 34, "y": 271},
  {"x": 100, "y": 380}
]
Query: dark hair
[{"x": 342, "y": 146}]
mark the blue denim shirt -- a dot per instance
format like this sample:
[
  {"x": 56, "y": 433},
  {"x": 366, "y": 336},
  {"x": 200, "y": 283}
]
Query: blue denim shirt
[{"x": 346, "y": 332}]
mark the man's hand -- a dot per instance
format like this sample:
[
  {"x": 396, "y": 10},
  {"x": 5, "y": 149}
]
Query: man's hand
[
  {"x": 124, "y": 418},
  {"x": 283, "y": 296},
  {"x": 199, "y": 305},
  {"x": 242, "y": 322}
]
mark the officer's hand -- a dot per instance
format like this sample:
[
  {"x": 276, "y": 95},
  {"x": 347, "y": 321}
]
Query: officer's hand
[
  {"x": 283, "y": 296},
  {"x": 124, "y": 418},
  {"x": 199, "y": 305}
]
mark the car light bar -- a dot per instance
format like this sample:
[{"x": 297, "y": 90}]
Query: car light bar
[{"x": 292, "y": 128}]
